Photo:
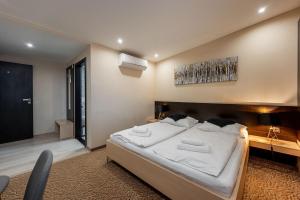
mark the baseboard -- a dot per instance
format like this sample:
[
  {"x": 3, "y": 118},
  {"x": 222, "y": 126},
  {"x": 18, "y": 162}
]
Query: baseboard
[{"x": 97, "y": 148}]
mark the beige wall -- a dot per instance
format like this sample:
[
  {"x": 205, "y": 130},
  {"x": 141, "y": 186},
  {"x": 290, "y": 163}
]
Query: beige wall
[
  {"x": 120, "y": 98},
  {"x": 116, "y": 98},
  {"x": 299, "y": 65},
  {"x": 267, "y": 66},
  {"x": 49, "y": 92}
]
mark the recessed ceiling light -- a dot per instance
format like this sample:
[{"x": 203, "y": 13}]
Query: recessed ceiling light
[
  {"x": 120, "y": 40},
  {"x": 261, "y": 10},
  {"x": 29, "y": 45},
  {"x": 156, "y": 55}
]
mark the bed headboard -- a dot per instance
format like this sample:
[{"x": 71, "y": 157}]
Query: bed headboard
[{"x": 241, "y": 113}]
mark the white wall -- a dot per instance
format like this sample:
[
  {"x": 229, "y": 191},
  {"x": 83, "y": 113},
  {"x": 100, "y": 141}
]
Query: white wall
[
  {"x": 267, "y": 71},
  {"x": 116, "y": 98},
  {"x": 49, "y": 92},
  {"x": 120, "y": 98},
  {"x": 299, "y": 65}
]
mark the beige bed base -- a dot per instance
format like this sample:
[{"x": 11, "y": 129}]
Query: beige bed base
[{"x": 173, "y": 185}]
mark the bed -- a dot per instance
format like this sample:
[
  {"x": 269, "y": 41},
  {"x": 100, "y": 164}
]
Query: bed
[{"x": 178, "y": 181}]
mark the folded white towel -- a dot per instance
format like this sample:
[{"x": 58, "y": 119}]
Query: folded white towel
[
  {"x": 139, "y": 129},
  {"x": 221, "y": 147},
  {"x": 192, "y": 141},
  {"x": 188, "y": 147},
  {"x": 146, "y": 134}
]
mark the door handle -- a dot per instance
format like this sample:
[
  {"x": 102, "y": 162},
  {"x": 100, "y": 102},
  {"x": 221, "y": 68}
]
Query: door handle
[{"x": 28, "y": 100}]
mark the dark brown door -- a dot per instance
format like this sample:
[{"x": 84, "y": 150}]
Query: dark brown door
[{"x": 16, "y": 115}]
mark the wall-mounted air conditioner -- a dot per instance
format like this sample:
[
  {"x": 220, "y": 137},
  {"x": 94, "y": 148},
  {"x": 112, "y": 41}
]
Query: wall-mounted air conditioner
[{"x": 132, "y": 62}]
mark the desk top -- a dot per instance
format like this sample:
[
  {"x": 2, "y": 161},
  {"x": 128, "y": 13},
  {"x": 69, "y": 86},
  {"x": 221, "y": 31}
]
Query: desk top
[{"x": 282, "y": 146}]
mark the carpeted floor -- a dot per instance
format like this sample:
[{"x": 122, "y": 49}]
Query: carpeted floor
[{"x": 87, "y": 177}]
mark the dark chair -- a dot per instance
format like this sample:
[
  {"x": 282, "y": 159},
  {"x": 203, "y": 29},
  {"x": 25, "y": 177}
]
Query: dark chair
[
  {"x": 38, "y": 179},
  {"x": 4, "y": 180}
]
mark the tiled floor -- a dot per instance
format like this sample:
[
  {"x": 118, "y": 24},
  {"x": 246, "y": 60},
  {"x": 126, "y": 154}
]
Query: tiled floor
[{"x": 19, "y": 157}]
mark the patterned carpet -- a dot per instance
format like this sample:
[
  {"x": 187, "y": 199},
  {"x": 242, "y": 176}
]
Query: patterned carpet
[{"x": 87, "y": 177}]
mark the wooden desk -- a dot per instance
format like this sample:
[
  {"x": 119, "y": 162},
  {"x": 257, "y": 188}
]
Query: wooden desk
[{"x": 281, "y": 146}]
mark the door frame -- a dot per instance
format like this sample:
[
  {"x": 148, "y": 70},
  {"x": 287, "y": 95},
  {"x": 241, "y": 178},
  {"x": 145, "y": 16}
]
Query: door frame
[{"x": 84, "y": 60}]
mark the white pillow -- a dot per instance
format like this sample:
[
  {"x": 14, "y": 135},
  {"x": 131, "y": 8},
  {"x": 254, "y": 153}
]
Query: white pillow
[
  {"x": 169, "y": 121},
  {"x": 187, "y": 122},
  {"x": 209, "y": 127},
  {"x": 193, "y": 120},
  {"x": 236, "y": 129}
]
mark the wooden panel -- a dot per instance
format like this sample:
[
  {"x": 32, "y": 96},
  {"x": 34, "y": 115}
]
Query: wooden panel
[
  {"x": 244, "y": 114},
  {"x": 169, "y": 183},
  {"x": 285, "y": 132},
  {"x": 64, "y": 128},
  {"x": 238, "y": 192},
  {"x": 281, "y": 146},
  {"x": 255, "y": 142}
]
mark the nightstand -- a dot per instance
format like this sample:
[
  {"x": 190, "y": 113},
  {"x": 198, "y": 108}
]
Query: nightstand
[
  {"x": 152, "y": 120},
  {"x": 280, "y": 146}
]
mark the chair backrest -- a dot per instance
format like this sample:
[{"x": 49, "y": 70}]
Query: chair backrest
[{"x": 38, "y": 179}]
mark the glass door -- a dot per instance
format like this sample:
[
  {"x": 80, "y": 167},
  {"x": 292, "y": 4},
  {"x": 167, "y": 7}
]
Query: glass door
[
  {"x": 70, "y": 93},
  {"x": 80, "y": 101}
]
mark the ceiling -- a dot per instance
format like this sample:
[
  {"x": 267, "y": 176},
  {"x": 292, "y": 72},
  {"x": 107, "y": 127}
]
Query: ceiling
[
  {"x": 61, "y": 28},
  {"x": 47, "y": 45}
]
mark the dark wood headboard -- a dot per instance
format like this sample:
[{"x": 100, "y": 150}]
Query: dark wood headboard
[{"x": 241, "y": 113}]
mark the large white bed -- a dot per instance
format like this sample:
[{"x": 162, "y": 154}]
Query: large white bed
[{"x": 223, "y": 185}]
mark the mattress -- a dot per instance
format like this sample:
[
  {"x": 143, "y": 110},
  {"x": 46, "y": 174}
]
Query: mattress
[{"x": 222, "y": 184}]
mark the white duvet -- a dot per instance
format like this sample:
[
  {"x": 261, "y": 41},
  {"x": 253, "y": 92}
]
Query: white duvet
[
  {"x": 221, "y": 144},
  {"x": 222, "y": 184},
  {"x": 159, "y": 132}
]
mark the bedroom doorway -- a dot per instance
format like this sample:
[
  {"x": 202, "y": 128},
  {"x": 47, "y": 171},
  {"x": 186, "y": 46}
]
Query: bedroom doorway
[
  {"x": 76, "y": 99},
  {"x": 80, "y": 101}
]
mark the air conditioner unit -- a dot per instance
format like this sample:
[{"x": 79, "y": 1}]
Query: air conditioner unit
[{"x": 132, "y": 62}]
